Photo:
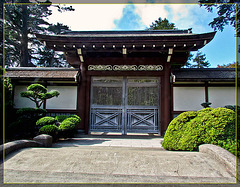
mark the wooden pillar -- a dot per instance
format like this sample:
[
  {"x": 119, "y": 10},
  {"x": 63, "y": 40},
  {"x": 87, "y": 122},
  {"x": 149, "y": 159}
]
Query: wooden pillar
[
  {"x": 81, "y": 97},
  {"x": 206, "y": 92},
  {"x": 166, "y": 99},
  {"x": 87, "y": 103}
]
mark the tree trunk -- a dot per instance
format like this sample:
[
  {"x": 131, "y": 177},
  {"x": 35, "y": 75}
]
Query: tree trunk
[{"x": 24, "y": 30}]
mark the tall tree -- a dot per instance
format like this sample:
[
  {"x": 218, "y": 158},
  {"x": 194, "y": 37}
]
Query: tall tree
[
  {"x": 22, "y": 21},
  {"x": 199, "y": 61},
  {"x": 162, "y": 24}
]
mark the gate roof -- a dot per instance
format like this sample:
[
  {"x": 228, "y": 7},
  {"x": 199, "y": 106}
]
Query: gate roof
[{"x": 150, "y": 43}]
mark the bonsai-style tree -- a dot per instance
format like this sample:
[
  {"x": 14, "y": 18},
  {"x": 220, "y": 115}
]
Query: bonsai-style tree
[{"x": 38, "y": 94}]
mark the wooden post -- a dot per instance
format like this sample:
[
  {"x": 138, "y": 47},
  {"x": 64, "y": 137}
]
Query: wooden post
[
  {"x": 166, "y": 99},
  {"x": 206, "y": 92},
  {"x": 81, "y": 97}
]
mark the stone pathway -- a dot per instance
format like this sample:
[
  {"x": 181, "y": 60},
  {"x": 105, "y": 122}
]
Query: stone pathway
[
  {"x": 112, "y": 159},
  {"x": 114, "y": 141}
]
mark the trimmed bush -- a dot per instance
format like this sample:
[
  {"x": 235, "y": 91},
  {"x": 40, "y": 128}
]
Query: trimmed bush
[
  {"x": 76, "y": 116},
  {"x": 32, "y": 112},
  {"x": 73, "y": 120},
  {"x": 51, "y": 130},
  {"x": 67, "y": 129},
  {"x": 46, "y": 121},
  {"x": 207, "y": 126},
  {"x": 66, "y": 125},
  {"x": 61, "y": 118}
]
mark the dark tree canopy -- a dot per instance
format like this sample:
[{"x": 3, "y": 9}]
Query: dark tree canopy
[
  {"x": 227, "y": 11},
  {"x": 162, "y": 24},
  {"x": 21, "y": 23},
  {"x": 199, "y": 61}
]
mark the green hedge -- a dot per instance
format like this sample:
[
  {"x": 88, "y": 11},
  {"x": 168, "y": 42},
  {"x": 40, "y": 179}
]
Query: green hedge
[
  {"x": 77, "y": 117},
  {"x": 61, "y": 118},
  {"x": 67, "y": 129},
  {"x": 73, "y": 120},
  {"x": 67, "y": 125},
  {"x": 46, "y": 121},
  {"x": 207, "y": 126},
  {"x": 49, "y": 129}
]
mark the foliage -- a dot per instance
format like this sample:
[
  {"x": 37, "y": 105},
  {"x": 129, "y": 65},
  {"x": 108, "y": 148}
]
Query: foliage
[
  {"x": 67, "y": 125},
  {"x": 21, "y": 24},
  {"x": 234, "y": 108},
  {"x": 199, "y": 61},
  {"x": 207, "y": 126},
  {"x": 31, "y": 112},
  {"x": 227, "y": 13},
  {"x": 77, "y": 117},
  {"x": 49, "y": 129},
  {"x": 162, "y": 24},
  {"x": 46, "y": 121},
  {"x": 38, "y": 94},
  {"x": 230, "y": 65},
  {"x": 61, "y": 118},
  {"x": 73, "y": 120},
  {"x": 67, "y": 129},
  {"x": 24, "y": 122},
  {"x": 6, "y": 103}
]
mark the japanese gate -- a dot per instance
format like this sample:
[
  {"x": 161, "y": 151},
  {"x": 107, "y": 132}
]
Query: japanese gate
[{"x": 125, "y": 77}]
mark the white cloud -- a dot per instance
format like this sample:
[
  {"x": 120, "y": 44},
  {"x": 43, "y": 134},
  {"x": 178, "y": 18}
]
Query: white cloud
[
  {"x": 191, "y": 16},
  {"x": 102, "y": 16},
  {"x": 150, "y": 12},
  {"x": 89, "y": 16}
]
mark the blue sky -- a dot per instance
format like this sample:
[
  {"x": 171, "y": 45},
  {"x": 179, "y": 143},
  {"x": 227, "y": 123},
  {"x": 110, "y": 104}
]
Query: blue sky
[{"x": 221, "y": 50}]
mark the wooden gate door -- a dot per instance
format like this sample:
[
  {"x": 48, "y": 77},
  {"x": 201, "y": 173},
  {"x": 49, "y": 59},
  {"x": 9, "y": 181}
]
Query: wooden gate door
[{"x": 125, "y": 104}]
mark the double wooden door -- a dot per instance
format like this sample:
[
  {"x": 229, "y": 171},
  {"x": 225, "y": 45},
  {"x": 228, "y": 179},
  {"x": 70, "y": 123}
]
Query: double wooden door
[{"x": 125, "y": 104}]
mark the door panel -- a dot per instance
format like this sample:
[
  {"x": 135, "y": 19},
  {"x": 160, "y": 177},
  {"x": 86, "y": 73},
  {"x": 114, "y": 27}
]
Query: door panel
[{"x": 125, "y": 104}]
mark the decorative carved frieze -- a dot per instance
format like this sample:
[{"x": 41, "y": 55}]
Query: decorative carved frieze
[{"x": 125, "y": 68}]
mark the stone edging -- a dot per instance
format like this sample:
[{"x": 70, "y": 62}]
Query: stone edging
[
  {"x": 223, "y": 156},
  {"x": 18, "y": 144}
]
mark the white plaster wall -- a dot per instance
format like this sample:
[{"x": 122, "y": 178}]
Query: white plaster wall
[
  {"x": 188, "y": 98},
  {"x": 222, "y": 96},
  {"x": 66, "y": 100},
  {"x": 22, "y": 102}
]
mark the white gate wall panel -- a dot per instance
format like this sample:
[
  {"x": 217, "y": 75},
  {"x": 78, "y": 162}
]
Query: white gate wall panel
[
  {"x": 188, "y": 98},
  {"x": 66, "y": 100},
  {"x": 22, "y": 102},
  {"x": 222, "y": 96}
]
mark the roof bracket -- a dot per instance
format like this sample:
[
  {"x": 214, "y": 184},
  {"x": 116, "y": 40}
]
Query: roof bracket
[{"x": 79, "y": 51}]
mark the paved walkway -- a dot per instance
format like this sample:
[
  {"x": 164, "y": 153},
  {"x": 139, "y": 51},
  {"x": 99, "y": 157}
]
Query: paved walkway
[
  {"x": 114, "y": 140},
  {"x": 112, "y": 159}
]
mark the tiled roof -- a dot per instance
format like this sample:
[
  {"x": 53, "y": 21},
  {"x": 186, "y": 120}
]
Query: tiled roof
[
  {"x": 42, "y": 73},
  {"x": 186, "y": 74},
  {"x": 207, "y": 74}
]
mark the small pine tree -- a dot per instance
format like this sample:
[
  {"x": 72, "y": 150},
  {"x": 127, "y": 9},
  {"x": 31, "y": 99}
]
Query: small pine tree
[
  {"x": 38, "y": 94},
  {"x": 199, "y": 61},
  {"x": 162, "y": 25}
]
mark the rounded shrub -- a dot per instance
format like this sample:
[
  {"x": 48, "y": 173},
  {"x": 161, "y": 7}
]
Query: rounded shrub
[
  {"x": 67, "y": 125},
  {"x": 51, "y": 130},
  {"x": 75, "y": 116},
  {"x": 66, "y": 129},
  {"x": 46, "y": 121},
  {"x": 73, "y": 120},
  {"x": 207, "y": 126},
  {"x": 61, "y": 118}
]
